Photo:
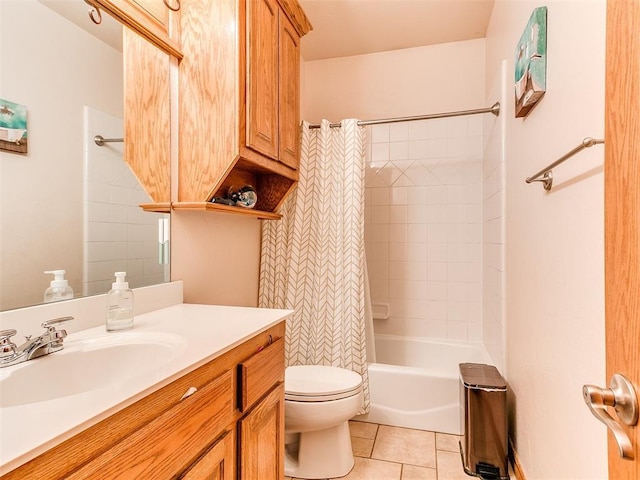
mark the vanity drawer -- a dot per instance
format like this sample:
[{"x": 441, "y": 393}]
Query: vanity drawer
[
  {"x": 167, "y": 445},
  {"x": 259, "y": 373}
]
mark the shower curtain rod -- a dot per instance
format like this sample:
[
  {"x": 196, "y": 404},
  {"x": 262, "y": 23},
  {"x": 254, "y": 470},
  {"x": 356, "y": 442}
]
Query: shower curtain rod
[{"x": 495, "y": 109}]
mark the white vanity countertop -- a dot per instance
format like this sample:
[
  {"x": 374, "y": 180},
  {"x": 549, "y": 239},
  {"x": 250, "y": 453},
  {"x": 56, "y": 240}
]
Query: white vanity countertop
[{"x": 203, "y": 332}]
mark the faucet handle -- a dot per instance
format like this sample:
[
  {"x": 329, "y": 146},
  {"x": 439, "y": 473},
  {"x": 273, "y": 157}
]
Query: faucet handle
[
  {"x": 51, "y": 324},
  {"x": 5, "y": 335},
  {"x": 7, "y": 347}
]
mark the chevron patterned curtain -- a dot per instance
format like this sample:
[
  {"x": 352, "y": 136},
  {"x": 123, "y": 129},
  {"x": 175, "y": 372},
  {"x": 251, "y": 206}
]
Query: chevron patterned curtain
[{"x": 313, "y": 258}]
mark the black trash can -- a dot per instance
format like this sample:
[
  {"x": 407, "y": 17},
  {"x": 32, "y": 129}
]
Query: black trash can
[{"x": 483, "y": 400}]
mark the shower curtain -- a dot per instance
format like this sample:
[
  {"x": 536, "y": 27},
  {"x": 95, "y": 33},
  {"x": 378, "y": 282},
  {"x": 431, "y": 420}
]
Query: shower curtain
[{"x": 313, "y": 258}]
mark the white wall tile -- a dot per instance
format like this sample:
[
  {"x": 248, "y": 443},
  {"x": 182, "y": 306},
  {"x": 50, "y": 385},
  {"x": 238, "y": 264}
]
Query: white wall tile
[
  {"x": 417, "y": 252},
  {"x": 437, "y": 252},
  {"x": 437, "y": 233},
  {"x": 380, "y": 133},
  {"x": 398, "y": 252},
  {"x": 432, "y": 213},
  {"x": 399, "y": 151},
  {"x": 418, "y": 130},
  {"x": 379, "y": 153},
  {"x": 380, "y": 196},
  {"x": 398, "y": 214},
  {"x": 457, "y": 330},
  {"x": 417, "y": 149},
  {"x": 437, "y": 128},
  {"x": 417, "y": 232},
  {"x": 437, "y": 195},
  {"x": 398, "y": 233},
  {"x": 437, "y": 310},
  {"x": 437, "y": 271},
  {"x": 417, "y": 195},
  {"x": 399, "y": 132},
  {"x": 398, "y": 195}
]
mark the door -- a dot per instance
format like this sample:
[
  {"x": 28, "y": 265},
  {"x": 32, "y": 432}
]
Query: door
[{"x": 622, "y": 210}]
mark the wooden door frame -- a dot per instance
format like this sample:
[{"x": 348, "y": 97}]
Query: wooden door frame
[{"x": 622, "y": 209}]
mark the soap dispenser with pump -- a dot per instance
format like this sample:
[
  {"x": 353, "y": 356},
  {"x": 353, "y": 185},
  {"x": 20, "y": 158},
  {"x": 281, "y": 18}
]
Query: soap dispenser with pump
[
  {"x": 59, "y": 288},
  {"x": 119, "y": 305}
]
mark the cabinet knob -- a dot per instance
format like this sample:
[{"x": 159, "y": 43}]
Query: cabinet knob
[{"x": 188, "y": 393}]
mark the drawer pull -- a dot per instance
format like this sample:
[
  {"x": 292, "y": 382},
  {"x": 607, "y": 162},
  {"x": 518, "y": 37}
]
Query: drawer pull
[{"x": 188, "y": 393}]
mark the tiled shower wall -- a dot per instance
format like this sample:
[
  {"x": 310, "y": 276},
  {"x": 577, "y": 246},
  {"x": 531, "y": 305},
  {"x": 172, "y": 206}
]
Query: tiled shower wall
[
  {"x": 119, "y": 235},
  {"x": 423, "y": 227},
  {"x": 493, "y": 228}
]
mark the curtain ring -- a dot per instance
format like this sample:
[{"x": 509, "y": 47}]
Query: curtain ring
[
  {"x": 174, "y": 9},
  {"x": 94, "y": 13}
]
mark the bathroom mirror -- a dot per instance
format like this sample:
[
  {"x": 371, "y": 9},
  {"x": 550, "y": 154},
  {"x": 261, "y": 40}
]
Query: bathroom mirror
[{"x": 68, "y": 204}]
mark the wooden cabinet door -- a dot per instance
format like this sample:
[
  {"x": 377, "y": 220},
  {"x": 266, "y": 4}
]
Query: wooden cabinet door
[
  {"x": 289, "y": 93},
  {"x": 216, "y": 464},
  {"x": 262, "y": 77},
  {"x": 261, "y": 441},
  {"x": 147, "y": 115}
]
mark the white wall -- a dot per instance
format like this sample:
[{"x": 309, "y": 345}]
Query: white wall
[
  {"x": 54, "y": 68},
  {"x": 413, "y": 81},
  {"x": 554, "y": 242},
  {"x": 217, "y": 255}
]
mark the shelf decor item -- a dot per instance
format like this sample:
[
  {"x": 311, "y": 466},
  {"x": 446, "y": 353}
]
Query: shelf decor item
[
  {"x": 245, "y": 196},
  {"x": 13, "y": 127},
  {"x": 531, "y": 63}
]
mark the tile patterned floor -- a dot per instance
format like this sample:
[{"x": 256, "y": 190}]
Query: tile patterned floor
[{"x": 392, "y": 453}]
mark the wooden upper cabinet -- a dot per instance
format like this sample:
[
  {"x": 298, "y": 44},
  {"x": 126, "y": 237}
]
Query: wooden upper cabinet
[
  {"x": 262, "y": 77},
  {"x": 155, "y": 20},
  {"x": 239, "y": 101}
]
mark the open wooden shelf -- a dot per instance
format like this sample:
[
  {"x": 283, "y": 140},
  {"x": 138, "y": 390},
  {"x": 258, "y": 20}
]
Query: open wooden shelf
[
  {"x": 218, "y": 207},
  {"x": 159, "y": 207}
]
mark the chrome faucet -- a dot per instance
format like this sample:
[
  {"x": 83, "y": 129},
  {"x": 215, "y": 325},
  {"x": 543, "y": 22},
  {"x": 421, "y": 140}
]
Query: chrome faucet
[{"x": 49, "y": 342}]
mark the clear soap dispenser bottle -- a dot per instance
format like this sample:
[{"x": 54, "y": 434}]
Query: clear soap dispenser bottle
[
  {"x": 59, "y": 288},
  {"x": 119, "y": 305}
]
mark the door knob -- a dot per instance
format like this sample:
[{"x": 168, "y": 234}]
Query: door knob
[{"x": 622, "y": 397}]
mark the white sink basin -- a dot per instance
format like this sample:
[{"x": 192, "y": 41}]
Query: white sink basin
[{"x": 87, "y": 364}]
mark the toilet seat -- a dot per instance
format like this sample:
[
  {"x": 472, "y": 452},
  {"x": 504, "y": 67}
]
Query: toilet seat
[{"x": 319, "y": 383}]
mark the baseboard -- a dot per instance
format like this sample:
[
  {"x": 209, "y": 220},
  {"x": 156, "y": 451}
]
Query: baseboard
[{"x": 515, "y": 462}]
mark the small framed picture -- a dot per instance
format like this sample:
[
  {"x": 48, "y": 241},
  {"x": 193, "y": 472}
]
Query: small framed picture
[
  {"x": 13, "y": 127},
  {"x": 531, "y": 63}
]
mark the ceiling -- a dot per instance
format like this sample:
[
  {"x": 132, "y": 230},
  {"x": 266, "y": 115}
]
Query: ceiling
[
  {"x": 76, "y": 11},
  {"x": 343, "y": 28},
  {"x": 354, "y": 27}
]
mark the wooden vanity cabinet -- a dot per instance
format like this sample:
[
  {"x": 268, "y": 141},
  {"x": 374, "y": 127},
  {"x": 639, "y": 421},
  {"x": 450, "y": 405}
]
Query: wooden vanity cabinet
[
  {"x": 239, "y": 101},
  {"x": 232, "y": 423}
]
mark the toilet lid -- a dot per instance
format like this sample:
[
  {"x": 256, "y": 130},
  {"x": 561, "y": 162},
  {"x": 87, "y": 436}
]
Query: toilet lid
[{"x": 320, "y": 383}]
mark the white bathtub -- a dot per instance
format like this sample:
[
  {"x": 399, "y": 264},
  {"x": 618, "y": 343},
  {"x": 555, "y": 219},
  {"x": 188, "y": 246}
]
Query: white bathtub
[{"x": 415, "y": 382}]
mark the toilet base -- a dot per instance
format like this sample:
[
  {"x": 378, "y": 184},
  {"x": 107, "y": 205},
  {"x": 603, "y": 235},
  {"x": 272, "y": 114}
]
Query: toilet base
[{"x": 320, "y": 454}]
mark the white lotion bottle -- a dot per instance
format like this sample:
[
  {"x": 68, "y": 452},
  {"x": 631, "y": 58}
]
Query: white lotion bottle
[
  {"x": 119, "y": 305},
  {"x": 59, "y": 288}
]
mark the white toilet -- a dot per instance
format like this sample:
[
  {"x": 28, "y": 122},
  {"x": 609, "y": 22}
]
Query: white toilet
[{"x": 318, "y": 403}]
